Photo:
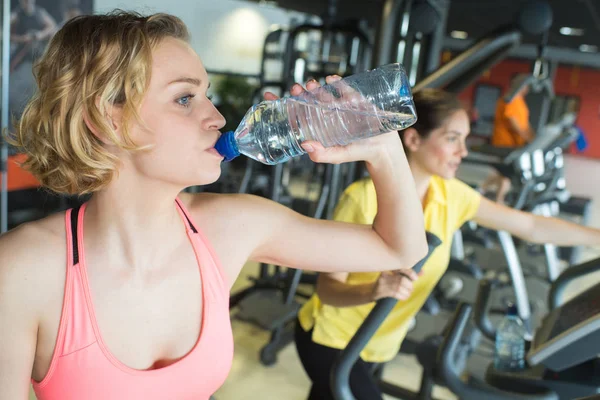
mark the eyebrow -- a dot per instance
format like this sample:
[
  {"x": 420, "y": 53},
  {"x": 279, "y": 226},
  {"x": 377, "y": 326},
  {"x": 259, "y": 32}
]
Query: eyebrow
[
  {"x": 193, "y": 81},
  {"x": 452, "y": 133}
]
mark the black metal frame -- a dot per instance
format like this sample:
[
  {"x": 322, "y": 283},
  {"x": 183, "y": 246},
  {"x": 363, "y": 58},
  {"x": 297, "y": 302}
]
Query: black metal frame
[
  {"x": 556, "y": 296},
  {"x": 447, "y": 371},
  {"x": 340, "y": 376},
  {"x": 467, "y": 67},
  {"x": 288, "y": 80}
]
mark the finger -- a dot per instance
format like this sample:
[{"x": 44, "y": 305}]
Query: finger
[
  {"x": 296, "y": 90},
  {"x": 312, "y": 85},
  {"x": 327, "y": 156},
  {"x": 332, "y": 78},
  {"x": 324, "y": 96},
  {"x": 402, "y": 294},
  {"x": 407, "y": 273},
  {"x": 348, "y": 92},
  {"x": 330, "y": 155},
  {"x": 412, "y": 274},
  {"x": 312, "y": 146},
  {"x": 406, "y": 284},
  {"x": 270, "y": 96}
]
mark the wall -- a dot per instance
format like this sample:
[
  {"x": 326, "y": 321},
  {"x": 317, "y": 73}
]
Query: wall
[
  {"x": 568, "y": 81},
  {"x": 227, "y": 34},
  {"x": 582, "y": 82}
]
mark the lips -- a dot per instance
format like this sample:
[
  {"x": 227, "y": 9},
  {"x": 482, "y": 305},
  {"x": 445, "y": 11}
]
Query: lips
[
  {"x": 214, "y": 152},
  {"x": 216, "y": 140},
  {"x": 214, "y": 143}
]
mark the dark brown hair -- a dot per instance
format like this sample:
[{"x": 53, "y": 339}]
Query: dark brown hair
[{"x": 434, "y": 107}]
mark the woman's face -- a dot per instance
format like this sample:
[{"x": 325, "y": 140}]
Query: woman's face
[
  {"x": 181, "y": 123},
  {"x": 442, "y": 152}
]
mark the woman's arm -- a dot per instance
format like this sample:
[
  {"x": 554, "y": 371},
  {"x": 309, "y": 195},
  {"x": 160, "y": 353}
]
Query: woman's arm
[
  {"x": 333, "y": 290},
  {"x": 49, "y": 27},
  {"x": 534, "y": 228},
  {"x": 396, "y": 240},
  {"x": 18, "y": 322}
]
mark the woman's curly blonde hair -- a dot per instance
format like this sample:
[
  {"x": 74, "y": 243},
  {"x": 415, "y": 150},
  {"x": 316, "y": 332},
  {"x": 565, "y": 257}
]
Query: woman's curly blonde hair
[{"x": 93, "y": 62}]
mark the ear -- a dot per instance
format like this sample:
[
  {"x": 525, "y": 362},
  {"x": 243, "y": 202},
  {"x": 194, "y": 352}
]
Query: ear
[
  {"x": 412, "y": 140},
  {"x": 112, "y": 116}
]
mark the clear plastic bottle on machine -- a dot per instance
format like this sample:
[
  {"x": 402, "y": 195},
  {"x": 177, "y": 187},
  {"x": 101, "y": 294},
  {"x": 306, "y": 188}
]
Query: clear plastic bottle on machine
[
  {"x": 510, "y": 342},
  {"x": 357, "y": 107}
]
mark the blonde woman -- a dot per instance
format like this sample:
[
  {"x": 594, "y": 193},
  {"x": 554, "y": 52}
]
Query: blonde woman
[{"x": 127, "y": 297}]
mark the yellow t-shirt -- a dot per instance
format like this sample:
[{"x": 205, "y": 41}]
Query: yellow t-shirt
[{"x": 448, "y": 205}]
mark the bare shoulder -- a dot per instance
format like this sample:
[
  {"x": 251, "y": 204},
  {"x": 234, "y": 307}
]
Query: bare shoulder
[
  {"x": 225, "y": 207},
  {"x": 234, "y": 224},
  {"x": 33, "y": 241},
  {"x": 219, "y": 199},
  {"x": 235, "y": 216},
  {"x": 33, "y": 262}
]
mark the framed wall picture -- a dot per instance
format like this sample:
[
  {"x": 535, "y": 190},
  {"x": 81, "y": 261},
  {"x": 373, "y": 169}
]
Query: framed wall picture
[{"x": 33, "y": 23}]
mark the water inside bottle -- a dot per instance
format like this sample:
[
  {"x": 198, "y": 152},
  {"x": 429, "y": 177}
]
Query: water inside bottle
[
  {"x": 273, "y": 133},
  {"x": 510, "y": 345},
  {"x": 339, "y": 127},
  {"x": 510, "y": 354}
]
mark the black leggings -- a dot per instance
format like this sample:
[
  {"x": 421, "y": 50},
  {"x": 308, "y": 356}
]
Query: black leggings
[{"x": 318, "y": 362}]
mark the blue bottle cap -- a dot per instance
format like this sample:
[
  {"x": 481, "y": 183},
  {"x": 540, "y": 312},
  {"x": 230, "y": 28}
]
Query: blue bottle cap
[
  {"x": 512, "y": 310},
  {"x": 227, "y": 147}
]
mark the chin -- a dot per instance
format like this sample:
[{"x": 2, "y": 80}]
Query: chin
[{"x": 446, "y": 174}]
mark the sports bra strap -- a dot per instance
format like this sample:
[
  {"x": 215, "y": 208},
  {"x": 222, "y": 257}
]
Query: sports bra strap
[
  {"x": 75, "y": 223},
  {"x": 75, "y": 242},
  {"x": 187, "y": 217}
]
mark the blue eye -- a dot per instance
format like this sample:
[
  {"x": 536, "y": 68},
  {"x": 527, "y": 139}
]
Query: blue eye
[{"x": 185, "y": 100}]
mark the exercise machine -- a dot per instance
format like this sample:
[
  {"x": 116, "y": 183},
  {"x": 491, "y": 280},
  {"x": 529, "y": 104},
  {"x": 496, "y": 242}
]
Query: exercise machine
[
  {"x": 538, "y": 182},
  {"x": 562, "y": 359}
]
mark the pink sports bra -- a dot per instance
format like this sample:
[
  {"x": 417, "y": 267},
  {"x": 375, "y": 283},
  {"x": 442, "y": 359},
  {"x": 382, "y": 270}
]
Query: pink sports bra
[{"x": 82, "y": 367}]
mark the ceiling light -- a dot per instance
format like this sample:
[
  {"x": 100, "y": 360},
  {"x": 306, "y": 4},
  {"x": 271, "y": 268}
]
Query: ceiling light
[
  {"x": 459, "y": 34},
  {"x": 588, "y": 48},
  {"x": 568, "y": 31}
]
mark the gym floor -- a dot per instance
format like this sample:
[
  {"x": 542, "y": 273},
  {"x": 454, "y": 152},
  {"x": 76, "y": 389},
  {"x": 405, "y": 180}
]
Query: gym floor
[{"x": 287, "y": 380}]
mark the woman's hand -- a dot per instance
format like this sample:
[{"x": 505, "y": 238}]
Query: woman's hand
[
  {"x": 396, "y": 284},
  {"x": 370, "y": 150}
]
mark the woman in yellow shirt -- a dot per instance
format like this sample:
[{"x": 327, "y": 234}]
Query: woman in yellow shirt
[{"x": 435, "y": 146}]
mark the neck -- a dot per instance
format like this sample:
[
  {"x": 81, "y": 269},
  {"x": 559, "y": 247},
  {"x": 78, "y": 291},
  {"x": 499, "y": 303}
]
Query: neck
[
  {"x": 421, "y": 178},
  {"x": 134, "y": 220}
]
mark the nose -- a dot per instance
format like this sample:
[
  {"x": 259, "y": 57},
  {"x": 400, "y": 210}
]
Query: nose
[
  {"x": 463, "y": 150},
  {"x": 213, "y": 120}
]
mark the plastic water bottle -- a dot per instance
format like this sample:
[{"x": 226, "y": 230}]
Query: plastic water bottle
[
  {"x": 510, "y": 342},
  {"x": 357, "y": 107}
]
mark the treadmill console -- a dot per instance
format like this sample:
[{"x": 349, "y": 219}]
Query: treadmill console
[{"x": 570, "y": 334}]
